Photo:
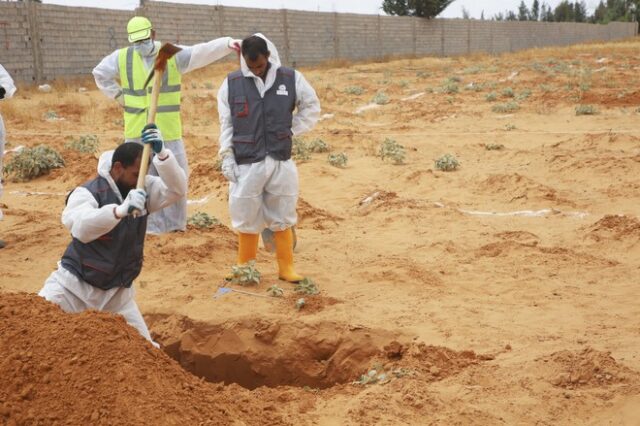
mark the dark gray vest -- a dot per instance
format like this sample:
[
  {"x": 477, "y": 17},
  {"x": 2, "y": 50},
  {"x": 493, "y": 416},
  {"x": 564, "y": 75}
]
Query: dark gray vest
[
  {"x": 262, "y": 126},
  {"x": 114, "y": 259}
]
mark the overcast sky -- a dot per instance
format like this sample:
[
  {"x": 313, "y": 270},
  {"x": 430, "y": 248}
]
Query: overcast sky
[{"x": 475, "y": 8}]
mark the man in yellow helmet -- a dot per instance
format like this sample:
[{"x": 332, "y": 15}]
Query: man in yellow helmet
[{"x": 121, "y": 76}]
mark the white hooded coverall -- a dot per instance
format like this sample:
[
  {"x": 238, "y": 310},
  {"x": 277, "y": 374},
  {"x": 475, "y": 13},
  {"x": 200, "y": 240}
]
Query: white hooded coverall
[
  {"x": 7, "y": 83},
  {"x": 106, "y": 75},
  {"x": 266, "y": 193},
  {"x": 87, "y": 223}
]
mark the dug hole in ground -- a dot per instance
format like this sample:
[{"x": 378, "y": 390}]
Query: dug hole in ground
[{"x": 471, "y": 223}]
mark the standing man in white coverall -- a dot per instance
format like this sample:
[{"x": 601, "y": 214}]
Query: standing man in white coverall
[
  {"x": 131, "y": 65},
  {"x": 7, "y": 89},
  {"x": 105, "y": 255},
  {"x": 256, "y": 107}
]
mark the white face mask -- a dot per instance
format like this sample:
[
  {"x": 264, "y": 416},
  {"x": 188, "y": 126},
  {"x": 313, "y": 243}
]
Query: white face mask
[{"x": 145, "y": 48}]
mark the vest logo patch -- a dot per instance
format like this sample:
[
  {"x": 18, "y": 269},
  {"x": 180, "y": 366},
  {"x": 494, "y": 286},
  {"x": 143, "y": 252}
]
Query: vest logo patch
[{"x": 282, "y": 90}]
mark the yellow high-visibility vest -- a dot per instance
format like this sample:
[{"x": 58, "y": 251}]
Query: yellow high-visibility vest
[{"x": 137, "y": 99}]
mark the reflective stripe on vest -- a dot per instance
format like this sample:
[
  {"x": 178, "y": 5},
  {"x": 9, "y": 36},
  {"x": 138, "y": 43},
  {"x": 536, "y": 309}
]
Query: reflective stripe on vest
[{"x": 136, "y": 98}]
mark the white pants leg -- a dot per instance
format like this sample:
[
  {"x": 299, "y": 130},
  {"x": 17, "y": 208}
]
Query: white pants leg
[
  {"x": 245, "y": 198},
  {"x": 74, "y": 296},
  {"x": 281, "y": 197},
  {"x": 54, "y": 292},
  {"x": 126, "y": 306},
  {"x": 265, "y": 195}
]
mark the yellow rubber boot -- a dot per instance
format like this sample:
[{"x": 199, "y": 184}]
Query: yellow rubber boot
[
  {"x": 247, "y": 247},
  {"x": 284, "y": 253},
  {"x": 247, "y": 250}
]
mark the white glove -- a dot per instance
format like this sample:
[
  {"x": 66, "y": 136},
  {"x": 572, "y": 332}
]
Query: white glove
[
  {"x": 136, "y": 200},
  {"x": 230, "y": 168}
]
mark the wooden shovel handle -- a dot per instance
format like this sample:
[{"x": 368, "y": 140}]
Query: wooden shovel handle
[{"x": 151, "y": 118}]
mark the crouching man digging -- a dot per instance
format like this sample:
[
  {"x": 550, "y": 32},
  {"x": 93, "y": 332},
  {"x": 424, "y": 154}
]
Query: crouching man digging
[
  {"x": 105, "y": 256},
  {"x": 256, "y": 108}
]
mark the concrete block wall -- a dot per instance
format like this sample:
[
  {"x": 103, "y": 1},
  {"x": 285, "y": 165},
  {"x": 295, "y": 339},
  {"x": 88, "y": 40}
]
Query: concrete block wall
[
  {"x": 74, "y": 39},
  {"x": 15, "y": 41},
  {"x": 40, "y": 42},
  {"x": 311, "y": 37}
]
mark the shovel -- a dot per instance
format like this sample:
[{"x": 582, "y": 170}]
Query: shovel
[{"x": 160, "y": 65}]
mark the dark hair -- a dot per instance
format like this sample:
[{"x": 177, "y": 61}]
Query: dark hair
[
  {"x": 254, "y": 46},
  {"x": 127, "y": 154}
]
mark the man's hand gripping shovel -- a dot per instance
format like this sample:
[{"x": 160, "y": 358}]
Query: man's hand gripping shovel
[{"x": 167, "y": 51}]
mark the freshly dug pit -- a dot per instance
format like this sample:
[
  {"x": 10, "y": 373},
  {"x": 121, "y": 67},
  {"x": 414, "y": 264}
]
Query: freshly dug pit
[{"x": 256, "y": 353}]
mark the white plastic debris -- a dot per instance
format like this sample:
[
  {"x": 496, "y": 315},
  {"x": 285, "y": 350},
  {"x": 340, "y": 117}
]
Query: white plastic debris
[
  {"x": 44, "y": 88},
  {"x": 46, "y": 194},
  {"x": 82, "y": 89},
  {"x": 17, "y": 149},
  {"x": 326, "y": 117},
  {"x": 415, "y": 96},
  {"x": 525, "y": 213},
  {"x": 364, "y": 108},
  {"x": 511, "y": 77},
  {"x": 203, "y": 200}
]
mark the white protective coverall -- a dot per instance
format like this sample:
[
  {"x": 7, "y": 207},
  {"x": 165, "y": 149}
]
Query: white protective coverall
[
  {"x": 6, "y": 82},
  {"x": 266, "y": 193},
  {"x": 87, "y": 223},
  {"x": 106, "y": 75}
]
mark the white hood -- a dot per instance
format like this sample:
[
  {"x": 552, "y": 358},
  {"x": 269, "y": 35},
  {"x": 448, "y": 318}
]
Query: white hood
[
  {"x": 274, "y": 58},
  {"x": 104, "y": 167}
]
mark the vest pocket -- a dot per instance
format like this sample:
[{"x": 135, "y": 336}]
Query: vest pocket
[
  {"x": 243, "y": 139},
  {"x": 284, "y": 135},
  {"x": 244, "y": 147},
  {"x": 240, "y": 106}
]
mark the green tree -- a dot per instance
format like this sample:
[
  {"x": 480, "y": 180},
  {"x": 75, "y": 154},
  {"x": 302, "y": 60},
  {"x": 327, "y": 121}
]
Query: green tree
[
  {"x": 535, "y": 11},
  {"x": 395, "y": 7},
  {"x": 523, "y": 11},
  {"x": 546, "y": 14},
  {"x": 564, "y": 12},
  {"x": 421, "y": 8},
  {"x": 600, "y": 13},
  {"x": 580, "y": 11}
]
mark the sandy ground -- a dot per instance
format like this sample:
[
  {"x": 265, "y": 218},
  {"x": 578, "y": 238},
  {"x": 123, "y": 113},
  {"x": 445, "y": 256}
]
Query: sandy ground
[{"x": 500, "y": 293}]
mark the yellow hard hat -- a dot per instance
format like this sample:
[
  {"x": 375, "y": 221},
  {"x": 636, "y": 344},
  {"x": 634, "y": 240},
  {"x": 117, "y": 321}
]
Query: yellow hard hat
[{"x": 139, "y": 28}]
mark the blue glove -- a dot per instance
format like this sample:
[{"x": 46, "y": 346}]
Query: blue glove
[{"x": 151, "y": 134}]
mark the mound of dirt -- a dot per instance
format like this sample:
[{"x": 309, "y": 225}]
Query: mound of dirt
[
  {"x": 615, "y": 227},
  {"x": 390, "y": 201},
  {"x": 610, "y": 99},
  {"x": 202, "y": 244},
  {"x": 515, "y": 187},
  {"x": 530, "y": 252},
  {"x": 316, "y": 217},
  {"x": 78, "y": 168},
  {"x": 92, "y": 368},
  {"x": 586, "y": 368}
]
